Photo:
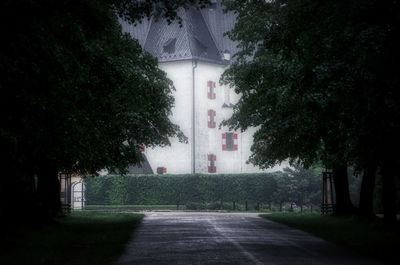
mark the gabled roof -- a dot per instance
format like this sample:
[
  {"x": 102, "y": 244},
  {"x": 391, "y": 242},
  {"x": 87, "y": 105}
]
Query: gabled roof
[
  {"x": 218, "y": 23},
  {"x": 141, "y": 168},
  {"x": 201, "y": 35}
]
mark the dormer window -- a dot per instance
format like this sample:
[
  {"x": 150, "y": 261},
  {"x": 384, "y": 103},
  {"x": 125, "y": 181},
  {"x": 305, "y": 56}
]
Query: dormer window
[
  {"x": 227, "y": 55},
  {"x": 169, "y": 45}
]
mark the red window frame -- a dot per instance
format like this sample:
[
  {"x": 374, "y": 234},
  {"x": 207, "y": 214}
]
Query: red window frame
[
  {"x": 211, "y": 118},
  {"x": 211, "y": 90},
  {"x": 234, "y": 139},
  {"x": 212, "y": 168}
]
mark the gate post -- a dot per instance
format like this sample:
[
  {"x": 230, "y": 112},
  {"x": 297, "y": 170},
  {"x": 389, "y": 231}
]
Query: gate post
[
  {"x": 65, "y": 192},
  {"x": 328, "y": 200}
]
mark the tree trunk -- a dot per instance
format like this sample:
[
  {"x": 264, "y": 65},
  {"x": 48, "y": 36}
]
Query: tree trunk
[
  {"x": 340, "y": 178},
  {"x": 311, "y": 208},
  {"x": 48, "y": 191},
  {"x": 280, "y": 207},
  {"x": 247, "y": 208},
  {"x": 18, "y": 197},
  {"x": 389, "y": 193},
  {"x": 234, "y": 205},
  {"x": 365, "y": 208},
  {"x": 301, "y": 208}
]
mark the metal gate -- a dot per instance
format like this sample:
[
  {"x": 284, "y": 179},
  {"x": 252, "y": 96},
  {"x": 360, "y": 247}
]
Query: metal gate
[{"x": 78, "y": 195}]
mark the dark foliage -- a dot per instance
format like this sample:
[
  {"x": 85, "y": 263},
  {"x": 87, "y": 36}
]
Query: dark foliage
[
  {"x": 319, "y": 79},
  {"x": 199, "y": 192},
  {"x": 77, "y": 95}
]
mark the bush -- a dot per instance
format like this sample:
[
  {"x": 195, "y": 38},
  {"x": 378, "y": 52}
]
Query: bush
[
  {"x": 195, "y": 206},
  {"x": 197, "y": 192}
]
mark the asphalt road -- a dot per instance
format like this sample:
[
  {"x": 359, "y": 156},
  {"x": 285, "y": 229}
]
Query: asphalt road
[{"x": 228, "y": 238}]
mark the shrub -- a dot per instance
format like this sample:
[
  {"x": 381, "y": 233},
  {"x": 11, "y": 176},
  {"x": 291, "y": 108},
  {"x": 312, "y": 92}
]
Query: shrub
[{"x": 197, "y": 192}]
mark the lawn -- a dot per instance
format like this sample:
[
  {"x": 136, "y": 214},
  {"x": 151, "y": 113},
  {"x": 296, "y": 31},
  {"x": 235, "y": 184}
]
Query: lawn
[
  {"x": 130, "y": 207},
  {"x": 369, "y": 238},
  {"x": 81, "y": 238},
  {"x": 168, "y": 207}
]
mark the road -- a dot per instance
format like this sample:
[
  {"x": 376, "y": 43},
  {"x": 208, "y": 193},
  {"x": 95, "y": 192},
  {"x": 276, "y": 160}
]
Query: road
[{"x": 228, "y": 238}]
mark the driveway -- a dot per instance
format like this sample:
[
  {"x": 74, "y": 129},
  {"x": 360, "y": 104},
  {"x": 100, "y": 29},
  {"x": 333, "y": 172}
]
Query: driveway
[{"x": 228, "y": 238}]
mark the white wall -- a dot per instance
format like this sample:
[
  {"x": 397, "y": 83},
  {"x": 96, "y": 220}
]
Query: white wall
[{"x": 177, "y": 157}]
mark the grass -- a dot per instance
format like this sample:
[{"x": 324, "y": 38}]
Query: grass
[
  {"x": 169, "y": 207},
  {"x": 81, "y": 238},
  {"x": 369, "y": 238},
  {"x": 136, "y": 208},
  {"x": 117, "y": 208}
]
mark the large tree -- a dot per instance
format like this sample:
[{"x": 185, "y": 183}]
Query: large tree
[
  {"x": 316, "y": 78},
  {"x": 77, "y": 95}
]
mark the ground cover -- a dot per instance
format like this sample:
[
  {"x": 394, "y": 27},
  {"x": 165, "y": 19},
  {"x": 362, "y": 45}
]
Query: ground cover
[
  {"x": 129, "y": 207},
  {"x": 366, "y": 237},
  {"x": 80, "y": 238},
  {"x": 189, "y": 207}
]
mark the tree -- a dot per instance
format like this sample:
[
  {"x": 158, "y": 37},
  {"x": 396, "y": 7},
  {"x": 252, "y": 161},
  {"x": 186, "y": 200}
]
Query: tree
[
  {"x": 316, "y": 78},
  {"x": 78, "y": 95},
  {"x": 284, "y": 190},
  {"x": 307, "y": 186}
]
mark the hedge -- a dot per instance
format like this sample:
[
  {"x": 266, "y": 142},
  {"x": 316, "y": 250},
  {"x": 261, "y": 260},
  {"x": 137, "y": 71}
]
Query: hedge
[{"x": 195, "y": 191}]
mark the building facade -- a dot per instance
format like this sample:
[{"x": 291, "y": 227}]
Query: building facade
[{"x": 194, "y": 55}]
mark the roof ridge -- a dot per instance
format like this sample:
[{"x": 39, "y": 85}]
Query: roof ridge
[
  {"x": 148, "y": 30},
  {"x": 187, "y": 34},
  {"x": 210, "y": 31}
]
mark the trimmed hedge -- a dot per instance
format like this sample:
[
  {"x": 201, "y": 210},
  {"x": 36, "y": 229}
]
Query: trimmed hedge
[{"x": 199, "y": 191}]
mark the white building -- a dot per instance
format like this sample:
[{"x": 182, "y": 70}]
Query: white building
[{"x": 194, "y": 56}]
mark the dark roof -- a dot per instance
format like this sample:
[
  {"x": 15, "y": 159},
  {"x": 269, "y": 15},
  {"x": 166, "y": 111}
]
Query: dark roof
[
  {"x": 139, "y": 31},
  {"x": 218, "y": 23},
  {"x": 142, "y": 168},
  {"x": 201, "y": 35}
]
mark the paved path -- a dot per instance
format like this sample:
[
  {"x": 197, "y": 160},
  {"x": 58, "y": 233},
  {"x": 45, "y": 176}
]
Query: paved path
[{"x": 227, "y": 238}]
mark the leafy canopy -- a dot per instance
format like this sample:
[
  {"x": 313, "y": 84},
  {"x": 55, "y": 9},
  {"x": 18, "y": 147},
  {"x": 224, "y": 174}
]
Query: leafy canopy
[
  {"x": 76, "y": 91},
  {"x": 316, "y": 79}
]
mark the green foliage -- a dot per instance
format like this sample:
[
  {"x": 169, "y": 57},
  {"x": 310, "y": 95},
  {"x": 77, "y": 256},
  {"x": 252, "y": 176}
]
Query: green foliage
[
  {"x": 180, "y": 189},
  {"x": 317, "y": 79},
  {"x": 305, "y": 186},
  {"x": 199, "y": 192},
  {"x": 78, "y": 95},
  {"x": 128, "y": 207},
  {"x": 308, "y": 73},
  {"x": 136, "y": 11},
  {"x": 89, "y": 95}
]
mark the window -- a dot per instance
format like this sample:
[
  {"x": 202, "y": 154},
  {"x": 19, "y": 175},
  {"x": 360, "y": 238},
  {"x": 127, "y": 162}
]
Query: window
[
  {"x": 211, "y": 163},
  {"x": 211, "y": 90},
  {"x": 169, "y": 46},
  {"x": 211, "y": 118},
  {"x": 161, "y": 170},
  {"x": 227, "y": 100},
  {"x": 229, "y": 141}
]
